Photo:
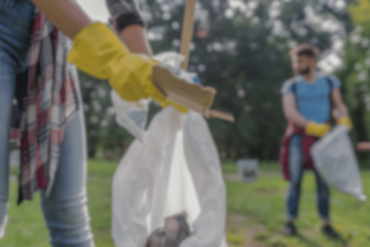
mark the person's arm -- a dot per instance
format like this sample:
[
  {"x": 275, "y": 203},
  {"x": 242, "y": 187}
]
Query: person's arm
[
  {"x": 134, "y": 37},
  {"x": 290, "y": 110},
  {"x": 70, "y": 19},
  {"x": 340, "y": 109},
  {"x": 363, "y": 146},
  {"x": 66, "y": 15},
  {"x": 129, "y": 24},
  {"x": 97, "y": 51}
]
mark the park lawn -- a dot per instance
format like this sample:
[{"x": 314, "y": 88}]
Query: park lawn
[
  {"x": 26, "y": 225},
  {"x": 255, "y": 212}
]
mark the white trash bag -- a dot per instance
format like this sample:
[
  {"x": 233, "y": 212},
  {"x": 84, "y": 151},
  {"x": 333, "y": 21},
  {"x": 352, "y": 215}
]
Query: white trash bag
[
  {"x": 131, "y": 115},
  {"x": 174, "y": 168},
  {"x": 335, "y": 160}
]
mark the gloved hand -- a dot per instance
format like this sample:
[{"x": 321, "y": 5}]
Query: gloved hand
[
  {"x": 316, "y": 129},
  {"x": 97, "y": 51},
  {"x": 346, "y": 121}
]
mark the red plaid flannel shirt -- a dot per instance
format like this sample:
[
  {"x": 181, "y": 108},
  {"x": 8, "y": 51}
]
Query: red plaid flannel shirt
[
  {"x": 307, "y": 142},
  {"x": 50, "y": 102}
]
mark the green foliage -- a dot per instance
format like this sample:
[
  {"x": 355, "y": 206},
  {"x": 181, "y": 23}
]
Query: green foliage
[
  {"x": 354, "y": 73},
  {"x": 360, "y": 13},
  {"x": 103, "y": 133}
]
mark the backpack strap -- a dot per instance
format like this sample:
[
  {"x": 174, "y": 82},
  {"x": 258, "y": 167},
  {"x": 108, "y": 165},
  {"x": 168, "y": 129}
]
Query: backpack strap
[
  {"x": 330, "y": 83},
  {"x": 331, "y": 87},
  {"x": 294, "y": 88}
]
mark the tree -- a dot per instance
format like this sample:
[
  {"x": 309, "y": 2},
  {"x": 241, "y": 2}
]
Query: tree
[
  {"x": 103, "y": 134},
  {"x": 354, "y": 73}
]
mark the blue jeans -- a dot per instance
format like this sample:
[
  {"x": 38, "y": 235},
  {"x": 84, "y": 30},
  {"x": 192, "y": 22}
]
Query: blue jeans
[
  {"x": 65, "y": 210},
  {"x": 296, "y": 166}
]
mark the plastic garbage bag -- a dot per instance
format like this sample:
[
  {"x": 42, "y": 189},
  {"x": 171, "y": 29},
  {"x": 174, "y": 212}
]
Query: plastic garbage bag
[
  {"x": 172, "y": 167},
  {"x": 175, "y": 168},
  {"x": 172, "y": 62},
  {"x": 335, "y": 160},
  {"x": 131, "y": 115}
]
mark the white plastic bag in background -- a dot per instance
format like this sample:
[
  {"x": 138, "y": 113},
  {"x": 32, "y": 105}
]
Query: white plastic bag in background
[{"x": 335, "y": 160}]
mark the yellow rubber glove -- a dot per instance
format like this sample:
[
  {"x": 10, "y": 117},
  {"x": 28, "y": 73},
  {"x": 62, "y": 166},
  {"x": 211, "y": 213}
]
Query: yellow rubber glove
[
  {"x": 177, "y": 106},
  {"x": 97, "y": 51},
  {"x": 316, "y": 129},
  {"x": 346, "y": 121}
]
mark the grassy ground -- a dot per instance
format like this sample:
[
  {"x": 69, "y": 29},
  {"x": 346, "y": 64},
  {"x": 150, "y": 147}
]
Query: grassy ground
[
  {"x": 255, "y": 213},
  {"x": 26, "y": 224}
]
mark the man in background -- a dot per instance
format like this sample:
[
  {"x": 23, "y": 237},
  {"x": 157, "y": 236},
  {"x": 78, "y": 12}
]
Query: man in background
[{"x": 308, "y": 101}]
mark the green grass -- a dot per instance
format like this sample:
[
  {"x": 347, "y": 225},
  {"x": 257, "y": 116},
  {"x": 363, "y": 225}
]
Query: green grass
[
  {"x": 26, "y": 225},
  {"x": 229, "y": 167},
  {"x": 255, "y": 212},
  {"x": 259, "y": 208}
]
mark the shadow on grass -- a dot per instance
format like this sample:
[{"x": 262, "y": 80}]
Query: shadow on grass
[{"x": 342, "y": 242}]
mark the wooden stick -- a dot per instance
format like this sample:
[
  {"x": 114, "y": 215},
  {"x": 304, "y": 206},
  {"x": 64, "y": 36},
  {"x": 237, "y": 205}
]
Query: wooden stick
[
  {"x": 186, "y": 38},
  {"x": 187, "y": 32},
  {"x": 221, "y": 115}
]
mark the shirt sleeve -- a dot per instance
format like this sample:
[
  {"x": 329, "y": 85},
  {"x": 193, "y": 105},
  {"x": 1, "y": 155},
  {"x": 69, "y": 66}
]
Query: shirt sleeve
[
  {"x": 124, "y": 13},
  {"x": 335, "y": 81},
  {"x": 287, "y": 87}
]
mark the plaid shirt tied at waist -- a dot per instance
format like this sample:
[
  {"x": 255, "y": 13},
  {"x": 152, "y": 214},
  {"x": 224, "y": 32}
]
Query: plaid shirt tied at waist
[
  {"x": 307, "y": 142},
  {"x": 49, "y": 101}
]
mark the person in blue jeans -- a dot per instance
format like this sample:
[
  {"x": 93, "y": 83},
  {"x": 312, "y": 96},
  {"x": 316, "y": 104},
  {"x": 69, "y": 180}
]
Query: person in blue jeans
[
  {"x": 65, "y": 207},
  {"x": 309, "y": 99}
]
